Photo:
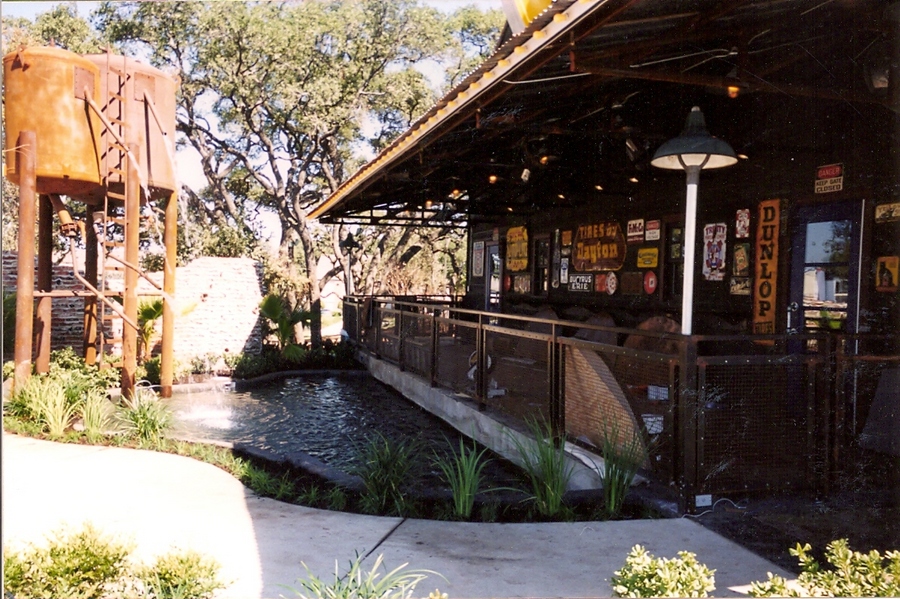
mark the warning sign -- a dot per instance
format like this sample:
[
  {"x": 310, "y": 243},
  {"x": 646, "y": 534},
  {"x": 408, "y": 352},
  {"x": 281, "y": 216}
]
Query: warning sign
[{"x": 830, "y": 178}]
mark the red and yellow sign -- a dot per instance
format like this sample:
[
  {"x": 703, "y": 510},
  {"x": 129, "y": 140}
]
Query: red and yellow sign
[
  {"x": 517, "y": 249},
  {"x": 599, "y": 246},
  {"x": 766, "y": 271}
]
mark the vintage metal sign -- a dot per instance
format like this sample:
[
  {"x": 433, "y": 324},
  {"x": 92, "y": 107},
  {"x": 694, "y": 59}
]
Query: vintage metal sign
[
  {"x": 647, "y": 258},
  {"x": 652, "y": 230},
  {"x": 517, "y": 249},
  {"x": 582, "y": 283},
  {"x": 636, "y": 230},
  {"x": 830, "y": 178},
  {"x": 478, "y": 259},
  {"x": 599, "y": 246},
  {"x": 766, "y": 279}
]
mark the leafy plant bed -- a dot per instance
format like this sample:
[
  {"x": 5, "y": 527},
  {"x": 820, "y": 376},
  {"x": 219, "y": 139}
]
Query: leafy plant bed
[{"x": 319, "y": 488}]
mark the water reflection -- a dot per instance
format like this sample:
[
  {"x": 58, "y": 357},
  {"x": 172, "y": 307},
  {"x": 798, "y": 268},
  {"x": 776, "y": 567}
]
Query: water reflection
[{"x": 328, "y": 417}]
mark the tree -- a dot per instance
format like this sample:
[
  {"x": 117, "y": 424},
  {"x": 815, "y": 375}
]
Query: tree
[{"x": 289, "y": 87}]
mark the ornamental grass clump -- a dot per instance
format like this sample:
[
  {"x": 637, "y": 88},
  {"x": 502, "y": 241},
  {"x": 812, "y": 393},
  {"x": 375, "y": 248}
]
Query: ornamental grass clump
[
  {"x": 544, "y": 461},
  {"x": 621, "y": 461},
  {"x": 54, "y": 408},
  {"x": 358, "y": 583},
  {"x": 145, "y": 417},
  {"x": 852, "y": 574},
  {"x": 463, "y": 472},
  {"x": 96, "y": 414},
  {"x": 647, "y": 576},
  {"x": 386, "y": 468}
]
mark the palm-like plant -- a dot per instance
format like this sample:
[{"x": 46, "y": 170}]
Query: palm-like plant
[
  {"x": 148, "y": 313},
  {"x": 283, "y": 318}
]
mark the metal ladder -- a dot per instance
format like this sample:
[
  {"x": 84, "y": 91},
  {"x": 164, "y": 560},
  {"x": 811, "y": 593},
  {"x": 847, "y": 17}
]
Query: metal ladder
[{"x": 111, "y": 222}]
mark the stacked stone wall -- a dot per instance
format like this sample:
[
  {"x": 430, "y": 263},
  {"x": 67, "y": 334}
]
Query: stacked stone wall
[
  {"x": 68, "y": 312},
  {"x": 217, "y": 306}
]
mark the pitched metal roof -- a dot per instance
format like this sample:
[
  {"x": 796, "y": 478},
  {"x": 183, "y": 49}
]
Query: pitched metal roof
[{"x": 560, "y": 85}]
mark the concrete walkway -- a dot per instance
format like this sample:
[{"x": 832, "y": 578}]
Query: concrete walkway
[{"x": 164, "y": 501}]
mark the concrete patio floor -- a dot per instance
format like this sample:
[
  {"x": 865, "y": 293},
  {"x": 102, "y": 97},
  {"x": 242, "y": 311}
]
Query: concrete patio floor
[{"x": 163, "y": 501}]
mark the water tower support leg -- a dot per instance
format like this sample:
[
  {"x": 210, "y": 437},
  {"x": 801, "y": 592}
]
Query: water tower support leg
[
  {"x": 170, "y": 237},
  {"x": 90, "y": 303},
  {"x": 132, "y": 230},
  {"x": 44, "y": 320},
  {"x": 25, "y": 156}
]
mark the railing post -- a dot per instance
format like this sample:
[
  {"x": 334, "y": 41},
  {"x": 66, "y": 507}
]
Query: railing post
[
  {"x": 553, "y": 390},
  {"x": 401, "y": 359},
  {"x": 480, "y": 364},
  {"x": 432, "y": 359},
  {"x": 687, "y": 415},
  {"x": 376, "y": 315}
]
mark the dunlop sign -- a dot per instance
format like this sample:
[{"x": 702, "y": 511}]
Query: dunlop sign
[
  {"x": 600, "y": 246},
  {"x": 764, "y": 284}
]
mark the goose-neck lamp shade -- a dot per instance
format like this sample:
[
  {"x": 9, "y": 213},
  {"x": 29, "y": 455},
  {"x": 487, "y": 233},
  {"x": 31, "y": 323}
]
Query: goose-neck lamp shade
[{"x": 692, "y": 151}]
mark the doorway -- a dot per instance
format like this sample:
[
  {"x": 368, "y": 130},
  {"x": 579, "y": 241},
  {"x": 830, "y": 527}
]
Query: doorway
[
  {"x": 825, "y": 269},
  {"x": 493, "y": 278}
]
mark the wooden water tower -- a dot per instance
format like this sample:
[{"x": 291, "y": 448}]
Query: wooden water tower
[{"x": 100, "y": 130}]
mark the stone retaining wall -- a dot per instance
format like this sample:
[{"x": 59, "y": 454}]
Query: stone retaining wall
[{"x": 217, "y": 306}]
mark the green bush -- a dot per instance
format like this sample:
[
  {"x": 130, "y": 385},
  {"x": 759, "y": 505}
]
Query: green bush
[
  {"x": 84, "y": 564},
  {"x": 852, "y": 574},
  {"x": 647, "y": 576},
  {"x": 177, "y": 575}
]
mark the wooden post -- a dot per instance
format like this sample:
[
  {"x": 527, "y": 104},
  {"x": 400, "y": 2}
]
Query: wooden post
[
  {"x": 44, "y": 320},
  {"x": 26, "y": 150},
  {"x": 90, "y": 303},
  {"x": 170, "y": 238},
  {"x": 132, "y": 229}
]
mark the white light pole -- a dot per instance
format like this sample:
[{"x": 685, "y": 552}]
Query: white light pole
[{"x": 692, "y": 151}]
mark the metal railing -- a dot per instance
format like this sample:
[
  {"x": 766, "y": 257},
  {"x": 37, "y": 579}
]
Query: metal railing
[{"x": 717, "y": 414}]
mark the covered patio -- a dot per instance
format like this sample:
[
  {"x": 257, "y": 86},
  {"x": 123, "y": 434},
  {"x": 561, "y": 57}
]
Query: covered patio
[{"x": 579, "y": 247}]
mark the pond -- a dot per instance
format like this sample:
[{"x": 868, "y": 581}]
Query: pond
[{"x": 326, "y": 416}]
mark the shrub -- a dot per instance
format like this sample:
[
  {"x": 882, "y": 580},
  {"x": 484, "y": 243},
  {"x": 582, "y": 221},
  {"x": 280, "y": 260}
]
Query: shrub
[
  {"x": 357, "y": 583},
  {"x": 621, "y": 460},
  {"x": 545, "y": 463},
  {"x": 88, "y": 565},
  {"x": 181, "y": 574},
  {"x": 386, "y": 467},
  {"x": 852, "y": 574},
  {"x": 647, "y": 576},
  {"x": 463, "y": 473},
  {"x": 83, "y": 564}
]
